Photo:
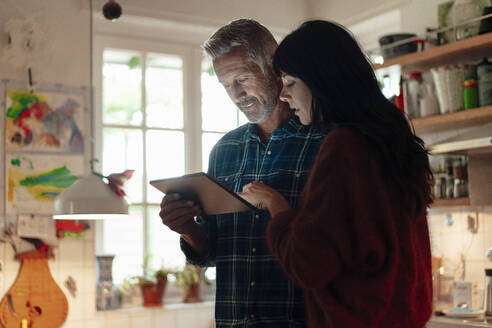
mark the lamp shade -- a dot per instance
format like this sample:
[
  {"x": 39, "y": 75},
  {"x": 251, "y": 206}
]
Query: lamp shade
[{"x": 89, "y": 198}]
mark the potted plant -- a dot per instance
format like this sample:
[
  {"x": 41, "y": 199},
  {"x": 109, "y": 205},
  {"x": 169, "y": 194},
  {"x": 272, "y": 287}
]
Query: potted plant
[
  {"x": 189, "y": 280},
  {"x": 152, "y": 284},
  {"x": 153, "y": 287}
]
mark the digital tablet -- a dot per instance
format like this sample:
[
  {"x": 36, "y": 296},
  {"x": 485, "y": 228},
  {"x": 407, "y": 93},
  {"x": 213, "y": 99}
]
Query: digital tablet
[{"x": 213, "y": 197}]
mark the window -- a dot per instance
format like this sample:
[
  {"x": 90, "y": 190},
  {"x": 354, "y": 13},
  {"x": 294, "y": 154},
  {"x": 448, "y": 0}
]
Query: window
[
  {"x": 219, "y": 113},
  {"x": 145, "y": 121}
]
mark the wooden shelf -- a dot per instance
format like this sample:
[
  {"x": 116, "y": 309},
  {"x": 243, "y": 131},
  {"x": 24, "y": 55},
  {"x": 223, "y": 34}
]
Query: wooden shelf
[
  {"x": 464, "y": 51},
  {"x": 456, "y": 120},
  {"x": 450, "y": 202},
  {"x": 475, "y": 143},
  {"x": 482, "y": 145}
]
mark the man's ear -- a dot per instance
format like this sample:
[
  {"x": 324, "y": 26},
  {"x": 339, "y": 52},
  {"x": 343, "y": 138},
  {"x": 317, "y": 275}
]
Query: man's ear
[{"x": 272, "y": 71}]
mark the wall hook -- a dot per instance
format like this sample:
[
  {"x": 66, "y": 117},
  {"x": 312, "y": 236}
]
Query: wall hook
[{"x": 29, "y": 73}]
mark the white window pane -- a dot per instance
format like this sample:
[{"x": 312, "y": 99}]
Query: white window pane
[
  {"x": 219, "y": 113},
  {"x": 208, "y": 142},
  {"x": 163, "y": 243},
  {"x": 164, "y": 91},
  {"x": 165, "y": 158},
  {"x": 242, "y": 118},
  {"x": 124, "y": 238},
  {"x": 122, "y": 150},
  {"x": 122, "y": 80}
]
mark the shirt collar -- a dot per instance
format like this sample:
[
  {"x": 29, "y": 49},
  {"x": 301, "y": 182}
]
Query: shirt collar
[{"x": 292, "y": 127}]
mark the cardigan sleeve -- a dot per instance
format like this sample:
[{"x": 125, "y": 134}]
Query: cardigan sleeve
[{"x": 342, "y": 223}]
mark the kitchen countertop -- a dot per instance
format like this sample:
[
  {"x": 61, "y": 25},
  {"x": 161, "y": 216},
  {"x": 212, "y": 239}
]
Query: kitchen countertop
[{"x": 448, "y": 322}]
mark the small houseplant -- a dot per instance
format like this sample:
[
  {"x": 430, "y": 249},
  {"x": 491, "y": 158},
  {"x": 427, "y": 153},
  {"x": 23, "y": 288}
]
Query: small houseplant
[
  {"x": 152, "y": 284},
  {"x": 153, "y": 287},
  {"x": 189, "y": 280}
]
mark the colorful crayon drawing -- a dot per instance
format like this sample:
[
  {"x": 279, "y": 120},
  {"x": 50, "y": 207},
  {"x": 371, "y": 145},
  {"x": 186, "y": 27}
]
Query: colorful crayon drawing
[
  {"x": 44, "y": 122},
  {"x": 33, "y": 181}
]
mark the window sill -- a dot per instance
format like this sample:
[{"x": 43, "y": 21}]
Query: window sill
[{"x": 165, "y": 307}]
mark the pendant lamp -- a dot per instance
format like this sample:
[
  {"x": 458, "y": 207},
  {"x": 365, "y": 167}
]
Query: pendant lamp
[{"x": 90, "y": 198}]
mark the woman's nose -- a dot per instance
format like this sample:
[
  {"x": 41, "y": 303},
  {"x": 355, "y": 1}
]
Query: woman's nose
[{"x": 284, "y": 96}]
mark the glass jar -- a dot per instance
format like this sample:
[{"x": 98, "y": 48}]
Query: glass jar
[
  {"x": 438, "y": 187},
  {"x": 449, "y": 179},
  {"x": 484, "y": 74},
  {"x": 413, "y": 92},
  {"x": 462, "y": 11},
  {"x": 460, "y": 182}
]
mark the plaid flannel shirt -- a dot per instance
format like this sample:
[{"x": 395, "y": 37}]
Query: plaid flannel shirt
[{"x": 252, "y": 290}]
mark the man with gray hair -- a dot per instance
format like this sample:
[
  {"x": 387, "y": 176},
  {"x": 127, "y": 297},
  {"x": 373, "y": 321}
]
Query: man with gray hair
[{"x": 273, "y": 148}]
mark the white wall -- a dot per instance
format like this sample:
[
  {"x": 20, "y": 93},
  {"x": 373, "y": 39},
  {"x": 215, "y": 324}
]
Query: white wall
[
  {"x": 369, "y": 20},
  {"x": 354, "y": 11},
  {"x": 419, "y": 14},
  {"x": 280, "y": 16},
  {"x": 61, "y": 55}
]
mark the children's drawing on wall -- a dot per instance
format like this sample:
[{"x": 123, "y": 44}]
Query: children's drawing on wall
[
  {"x": 44, "y": 121},
  {"x": 33, "y": 180}
]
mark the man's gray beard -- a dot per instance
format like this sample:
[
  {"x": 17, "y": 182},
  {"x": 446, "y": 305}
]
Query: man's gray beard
[
  {"x": 268, "y": 109},
  {"x": 269, "y": 106}
]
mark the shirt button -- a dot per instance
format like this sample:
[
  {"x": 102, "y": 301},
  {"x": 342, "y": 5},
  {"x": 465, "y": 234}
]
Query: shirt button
[
  {"x": 253, "y": 250},
  {"x": 257, "y": 216},
  {"x": 251, "y": 315},
  {"x": 252, "y": 283},
  {"x": 269, "y": 152},
  {"x": 226, "y": 179},
  {"x": 298, "y": 175}
]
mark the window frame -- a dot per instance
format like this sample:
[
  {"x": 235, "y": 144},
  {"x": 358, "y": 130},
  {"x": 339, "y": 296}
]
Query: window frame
[
  {"x": 192, "y": 61},
  {"x": 191, "y": 58}
]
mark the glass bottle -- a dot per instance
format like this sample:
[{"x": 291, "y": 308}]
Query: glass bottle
[
  {"x": 399, "y": 98},
  {"x": 484, "y": 74},
  {"x": 412, "y": 93},
  {"x": 470, "y": 93},
  {"x": 487, "y": 302},
  {"x": 438, "y": 187},
  {"x": 429, "y": 105},
  {"x": 449, "y": 179},
  {"x": 459, "y": 175}
]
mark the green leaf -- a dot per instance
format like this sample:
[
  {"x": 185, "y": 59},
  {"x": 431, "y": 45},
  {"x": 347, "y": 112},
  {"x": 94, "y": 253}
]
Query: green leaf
[{"x": 134, "y": 62}]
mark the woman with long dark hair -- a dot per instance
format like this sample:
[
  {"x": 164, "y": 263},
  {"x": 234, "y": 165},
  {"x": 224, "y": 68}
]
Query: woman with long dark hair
[{"x": 358, "y": 241}]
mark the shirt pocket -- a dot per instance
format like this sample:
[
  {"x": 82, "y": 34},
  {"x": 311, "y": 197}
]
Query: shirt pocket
[
  {"x": 232, "y": 227},
  {"x": 231, "y": 182},
  {"x": 289, "y": 183}
]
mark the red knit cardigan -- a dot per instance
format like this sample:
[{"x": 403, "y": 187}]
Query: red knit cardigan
[{"x": 361, "y": 260}]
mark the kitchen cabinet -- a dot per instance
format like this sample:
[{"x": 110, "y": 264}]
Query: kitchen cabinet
[{"x": 478, "y": 147}]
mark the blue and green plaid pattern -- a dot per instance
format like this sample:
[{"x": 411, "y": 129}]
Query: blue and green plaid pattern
[{"x": 252, "y": 290}]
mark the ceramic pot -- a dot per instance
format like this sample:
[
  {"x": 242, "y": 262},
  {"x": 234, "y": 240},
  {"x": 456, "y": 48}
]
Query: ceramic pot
[
  {"x": 193, "y": 294},
  {"x": 152, "y": 293}
]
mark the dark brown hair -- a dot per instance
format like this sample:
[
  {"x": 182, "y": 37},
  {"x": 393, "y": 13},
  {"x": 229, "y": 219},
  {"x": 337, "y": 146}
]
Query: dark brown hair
[{"x": 326, "y": 57}]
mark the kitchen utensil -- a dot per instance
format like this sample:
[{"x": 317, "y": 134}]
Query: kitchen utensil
[
  {"x": 398, "y": 50},
  {"x": 34, "y": 296}
]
